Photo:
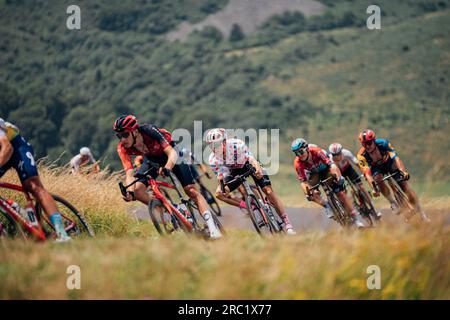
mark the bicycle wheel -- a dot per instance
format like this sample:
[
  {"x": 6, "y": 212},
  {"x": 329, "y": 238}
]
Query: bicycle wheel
[
  {"x": 214, "y": 205},
  {"x": 9, "y": 227},
  {"x": 363, "y": 207},
  {"x": 275, "y": 221},
  {"x": 164, "y": 222},
  {"x": 257, "y": 215},
  {"x": 73, "y": 220},
  {"x": 405, "y": 206},
  {"x": 339, "y": 212}
]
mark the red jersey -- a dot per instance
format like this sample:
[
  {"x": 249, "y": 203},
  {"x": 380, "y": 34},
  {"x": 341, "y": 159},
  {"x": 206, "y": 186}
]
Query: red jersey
[
  {"x": 317, "y": 161},
  {"x": 155, "y": 139}
]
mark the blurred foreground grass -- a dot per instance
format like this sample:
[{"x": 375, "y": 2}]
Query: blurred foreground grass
[{"x": 414, "y": 264}]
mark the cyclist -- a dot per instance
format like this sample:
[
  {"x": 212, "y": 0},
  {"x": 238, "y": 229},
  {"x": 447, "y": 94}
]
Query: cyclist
[
  {"x": 377, "y": 157},
  {"x": 228, "y": 159},
  {"x": 83, "y": 158},
  {"x": 17, "y": 153},
  {"x": 345, "y": 160},
  {"x": 155, "y": 145},
  {"x": 312, "y": 165}
]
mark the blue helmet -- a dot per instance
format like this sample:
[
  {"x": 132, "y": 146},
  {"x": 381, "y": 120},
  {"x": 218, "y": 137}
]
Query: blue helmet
[{"x": 298, "y": 144}]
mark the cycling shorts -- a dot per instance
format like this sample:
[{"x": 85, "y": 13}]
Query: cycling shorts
[{"x": 22, "y": 160}]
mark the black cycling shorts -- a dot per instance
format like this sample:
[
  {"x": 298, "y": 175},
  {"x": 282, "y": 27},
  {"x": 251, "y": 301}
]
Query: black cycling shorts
[
  {"x": 263, "y": 182},
  {"x": 182, "y": 171},
  {"x": 386, "y": 168},
  {"x": 351, "y": 173}
]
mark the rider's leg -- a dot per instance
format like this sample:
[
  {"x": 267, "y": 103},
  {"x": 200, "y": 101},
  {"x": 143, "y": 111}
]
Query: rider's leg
[
  {"x": 228, "y": 198},
  {"x": 413, "y": 198},
  {"x": 34, "y": 186},
  {"x": 141, "y": 194},
  {"x": 203, "y": 208},
  {"x": 273, "y": 198},
  {"x": 385, "y": 190}
]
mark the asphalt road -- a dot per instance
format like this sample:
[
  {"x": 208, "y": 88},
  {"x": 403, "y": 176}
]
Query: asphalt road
[{"x": 301, "y": 218}]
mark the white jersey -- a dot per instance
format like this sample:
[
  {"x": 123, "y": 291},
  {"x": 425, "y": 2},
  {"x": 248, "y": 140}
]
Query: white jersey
[
  {"x": 77, "y": 162},
  {"x": 235, "y": 156},
  {"x": 347, "y": 159},
  {"x": 2, "y": 128}
]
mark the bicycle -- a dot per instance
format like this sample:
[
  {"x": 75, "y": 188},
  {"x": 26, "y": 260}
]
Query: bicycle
[
  {"x": 263, "y": 218},
  {"x": 339, "y": 212},
  {"x": 210, "y": 199},
  {"x": 408, "y": 209},
  {"x": 36, "y": 224},
  {"x": 363, "y": 204},
  {"x": 165, "y": 215}
]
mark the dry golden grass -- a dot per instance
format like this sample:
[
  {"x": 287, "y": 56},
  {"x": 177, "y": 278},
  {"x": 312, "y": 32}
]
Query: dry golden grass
[
  {"x": 414, "y": 265},
  {"x": 96, "y": 196}
]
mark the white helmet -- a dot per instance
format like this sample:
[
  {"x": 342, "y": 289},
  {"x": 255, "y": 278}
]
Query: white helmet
[
  {"x": 335, "y": 148},
  {"x": 216, "y": 136},
  {"x": 85, "y": 151}
]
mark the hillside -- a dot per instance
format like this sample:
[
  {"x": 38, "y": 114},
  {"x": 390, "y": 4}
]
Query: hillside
[{"x": 324, "y": 76}]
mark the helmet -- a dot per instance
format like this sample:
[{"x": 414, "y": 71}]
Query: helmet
[
  {"x": 298, "y": 144},
  {"x": 366, "y": 135},
  {"x": 216, "y": 136},
  {"x": 85, "y": 151},
  {"x": 335, "y": 148},
  {"x": 125, "y": 123}
]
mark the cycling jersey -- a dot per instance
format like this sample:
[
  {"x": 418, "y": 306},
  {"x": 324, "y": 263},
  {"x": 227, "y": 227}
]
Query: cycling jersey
[
  {"x": 387, "y": 154},
  {"x": 22, "y": 158},
  {"x": 234, "y": 155},
  {"x": 155, "y": 140},
  {"x": 347, "y": 159},
  {"x": 77, "y": 161},
  {"x": 317, "y": 162},
  {"x": 8, "y": 129}
]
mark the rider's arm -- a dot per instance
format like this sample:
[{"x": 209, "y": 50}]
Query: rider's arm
[
  {"x": 334, "y": 170},
  {"x": 172, "y": 156},
  {"x": 255, "y": 164},
  {"x": 305, "y": 187},
  {"x": 365, "y": 169},
  {"x": 6, "y": 150}
]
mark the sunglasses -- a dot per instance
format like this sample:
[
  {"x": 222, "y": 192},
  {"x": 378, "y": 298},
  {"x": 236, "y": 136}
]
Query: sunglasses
[
  {"x": 122, "y": 135},
  {"x": 336, "y": 154},
  {"x": 301, "y": 152},
  {"x": 368, "y": 143}
]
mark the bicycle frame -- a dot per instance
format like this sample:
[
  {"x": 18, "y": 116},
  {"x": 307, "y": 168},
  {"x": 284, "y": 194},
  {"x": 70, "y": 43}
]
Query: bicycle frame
[
  {"x": 332, "y": 196},
  {"x": 154, "y": 184},
  {"x": 36, "y": 231}
]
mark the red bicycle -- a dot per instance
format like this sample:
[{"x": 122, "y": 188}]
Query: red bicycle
[
  {"x": 167, "y": 216},
  {"x": 16, "y": 221}
]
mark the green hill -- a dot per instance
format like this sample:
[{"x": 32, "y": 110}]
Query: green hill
[{"x": 324, "y": 77}]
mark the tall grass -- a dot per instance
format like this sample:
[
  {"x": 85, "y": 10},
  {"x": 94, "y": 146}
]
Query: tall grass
[
  {"x": 414, "y": 264},
  {"x": 97, "y": 196},
  {"x": 128, "y": 261}
]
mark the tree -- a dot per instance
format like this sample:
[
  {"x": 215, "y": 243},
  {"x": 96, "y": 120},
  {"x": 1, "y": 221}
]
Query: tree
[{"x": 236, "y": 33}]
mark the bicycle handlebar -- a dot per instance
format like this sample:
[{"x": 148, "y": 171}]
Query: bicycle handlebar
[{"x": 240, "y": 178}]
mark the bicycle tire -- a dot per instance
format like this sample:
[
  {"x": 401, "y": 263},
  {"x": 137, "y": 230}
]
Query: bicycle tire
[
  {"x": 339, "y": 211},
  {"x": 366, "y": 210},
  {"x": 162, "y": 227},
  {"x": 272, "y": 215},
  {"x": 201, "y": 223},
  {"x": 259, "y": 224},
  {"x": 403, "y": 200},
  {"x": 10, "y": 228},
  {"x": 65, "y": 208}
]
